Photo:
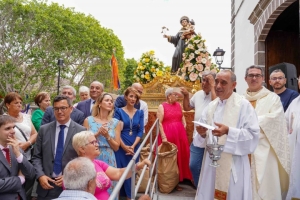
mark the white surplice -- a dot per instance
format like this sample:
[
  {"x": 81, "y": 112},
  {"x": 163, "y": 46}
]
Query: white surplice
[
  {"x": 292, "y": 116},
  {"x": 270, "y": 163},
  {"x": 241, "y": 141}
]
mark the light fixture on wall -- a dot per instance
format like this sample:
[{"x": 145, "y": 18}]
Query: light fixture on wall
[{"x": 219, "y": 56}]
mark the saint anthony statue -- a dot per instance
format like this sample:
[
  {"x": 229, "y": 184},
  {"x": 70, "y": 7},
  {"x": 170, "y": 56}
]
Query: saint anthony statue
[{"x": 179, "y": 41}]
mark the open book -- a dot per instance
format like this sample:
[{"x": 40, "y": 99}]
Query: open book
[{"x": 204, "y": 125}]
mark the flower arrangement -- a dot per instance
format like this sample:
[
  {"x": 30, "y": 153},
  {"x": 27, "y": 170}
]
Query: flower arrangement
[
  {"x": 196, "y": 59},
  {"x": 149, "y": 67}
]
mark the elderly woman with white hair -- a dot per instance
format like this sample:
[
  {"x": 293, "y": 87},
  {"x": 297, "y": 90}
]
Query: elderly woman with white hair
[
  {"x": 172, "y": 129},
  {"x": 86, "y": 145},
  {"x": 84, "y": 94}
]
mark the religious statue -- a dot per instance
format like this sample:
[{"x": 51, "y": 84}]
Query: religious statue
[{"x": 179, "y": 41}]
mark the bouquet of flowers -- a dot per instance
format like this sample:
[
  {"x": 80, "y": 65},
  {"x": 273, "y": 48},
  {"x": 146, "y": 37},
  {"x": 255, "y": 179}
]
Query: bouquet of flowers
[
  {"x": 149, "y": 67},
  {"x": 196, "y": 59}
]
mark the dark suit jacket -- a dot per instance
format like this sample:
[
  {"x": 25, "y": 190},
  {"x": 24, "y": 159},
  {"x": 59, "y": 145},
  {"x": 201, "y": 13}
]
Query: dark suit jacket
[
  {"x": 76, "y": 115},
  {"x": 43, "y": 157},
  {"x": 10, "y": 184},
  {"x": 85, "y": 107}
]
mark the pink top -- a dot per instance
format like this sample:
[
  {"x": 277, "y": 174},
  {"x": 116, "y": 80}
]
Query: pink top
[{"x": 102, "y": 180}]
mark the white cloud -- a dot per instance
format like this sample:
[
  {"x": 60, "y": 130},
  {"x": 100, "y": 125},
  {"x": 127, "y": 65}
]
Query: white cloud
[{"x": 138, "y": 23}]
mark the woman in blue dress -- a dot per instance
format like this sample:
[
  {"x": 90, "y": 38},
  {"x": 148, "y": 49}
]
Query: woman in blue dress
[
  {"x": 131, "y": 134},
  {"x": 106, "y": 129}
]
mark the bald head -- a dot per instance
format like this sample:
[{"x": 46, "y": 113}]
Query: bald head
[
  {"x": 138, "y": 87},
  {"x": 96, "y": 89}
]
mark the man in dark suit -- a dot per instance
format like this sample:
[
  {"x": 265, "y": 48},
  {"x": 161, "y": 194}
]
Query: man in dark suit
[
  {"x": 54, "y": 149},
  {"x": 96, "y": 89},
  {"x": 76, "y": 115},
  {"x": 13, "y": 164}
]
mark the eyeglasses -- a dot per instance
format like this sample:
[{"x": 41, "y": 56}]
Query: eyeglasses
[
  {"x": 63, "y": 108},
  {"x": 254, "y": 75},
  {"x": 94, "y": 142},
  {"x": 277, "y": 78}
]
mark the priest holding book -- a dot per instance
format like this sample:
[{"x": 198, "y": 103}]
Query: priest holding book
[{"x": 236, "y": 127}]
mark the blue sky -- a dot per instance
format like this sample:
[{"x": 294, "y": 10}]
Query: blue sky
[{"x": 138, "y": 23}]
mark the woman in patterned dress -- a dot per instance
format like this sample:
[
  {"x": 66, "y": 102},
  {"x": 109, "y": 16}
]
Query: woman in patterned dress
[{"x": 106, "y": 129}]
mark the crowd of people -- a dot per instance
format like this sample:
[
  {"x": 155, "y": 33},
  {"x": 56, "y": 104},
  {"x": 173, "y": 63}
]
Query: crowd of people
[
  {"x": 55, "y": 135},
  {"x": 82, "y": 150}
]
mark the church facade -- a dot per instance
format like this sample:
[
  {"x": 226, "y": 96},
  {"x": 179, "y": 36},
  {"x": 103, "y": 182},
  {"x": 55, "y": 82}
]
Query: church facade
[{"x": 264, "y": 33}]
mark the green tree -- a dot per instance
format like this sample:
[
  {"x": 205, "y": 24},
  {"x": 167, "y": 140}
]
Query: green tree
[
  {"x": 33, "y": 35},
  {"x": 131, "y": 65}
]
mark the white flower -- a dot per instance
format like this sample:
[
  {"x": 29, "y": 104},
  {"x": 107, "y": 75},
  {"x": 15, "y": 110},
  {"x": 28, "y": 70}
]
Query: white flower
[
  {"x": 137, "y": 78},
  {"x": 203, "y": 60},
  {"x": 147, "y": 72},
  {"x": 154, "y": 75},
  {"x": 197, "y": 52},
  {"x": 197, "y": 41},
  {"x": 143, "y": 76},
  {"x": 191, "y": 68},
  {"x": 199, "y": 67},
  {"x": 193, "y": 76},
  {"x": 191, "y": 56},
  {"x": 190, "y": 46}
]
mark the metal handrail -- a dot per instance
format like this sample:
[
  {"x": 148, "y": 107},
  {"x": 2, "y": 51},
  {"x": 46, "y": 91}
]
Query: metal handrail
[{"x": 131, "y": 166}]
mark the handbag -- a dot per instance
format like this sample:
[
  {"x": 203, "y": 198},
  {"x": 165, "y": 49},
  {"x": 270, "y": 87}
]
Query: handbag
[{"x": 31, "y": 146}]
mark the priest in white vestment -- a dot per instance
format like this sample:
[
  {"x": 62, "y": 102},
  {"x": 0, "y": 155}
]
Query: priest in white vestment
[
  {"x": 237, "y": 129},
  {"x": 292, "y": 116},
  {"x": 270, "y": 163}
]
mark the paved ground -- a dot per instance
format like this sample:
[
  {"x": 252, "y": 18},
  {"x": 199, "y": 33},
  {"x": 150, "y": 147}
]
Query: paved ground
[{"x": 188, "y": 193}]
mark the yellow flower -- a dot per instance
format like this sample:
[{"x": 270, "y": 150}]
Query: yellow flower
[
  {"x": 139, "y": 64},
  {"x": 147, "y": 76},
  {"x": 159, "y": 73},
  {"x": 147, "y": 60},
  {"x": 142, "y": 67},
  {"x": 151, "y": 52}
]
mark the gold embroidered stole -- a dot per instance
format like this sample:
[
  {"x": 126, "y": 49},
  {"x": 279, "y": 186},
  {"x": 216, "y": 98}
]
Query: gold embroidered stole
[{"x": 230, "y": 118}]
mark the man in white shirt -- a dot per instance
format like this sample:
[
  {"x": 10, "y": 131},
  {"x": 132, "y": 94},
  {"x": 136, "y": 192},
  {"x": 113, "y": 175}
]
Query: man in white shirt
[
  {"x": 237, "y": 129},
  {"x": 198, "y": 102}
]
